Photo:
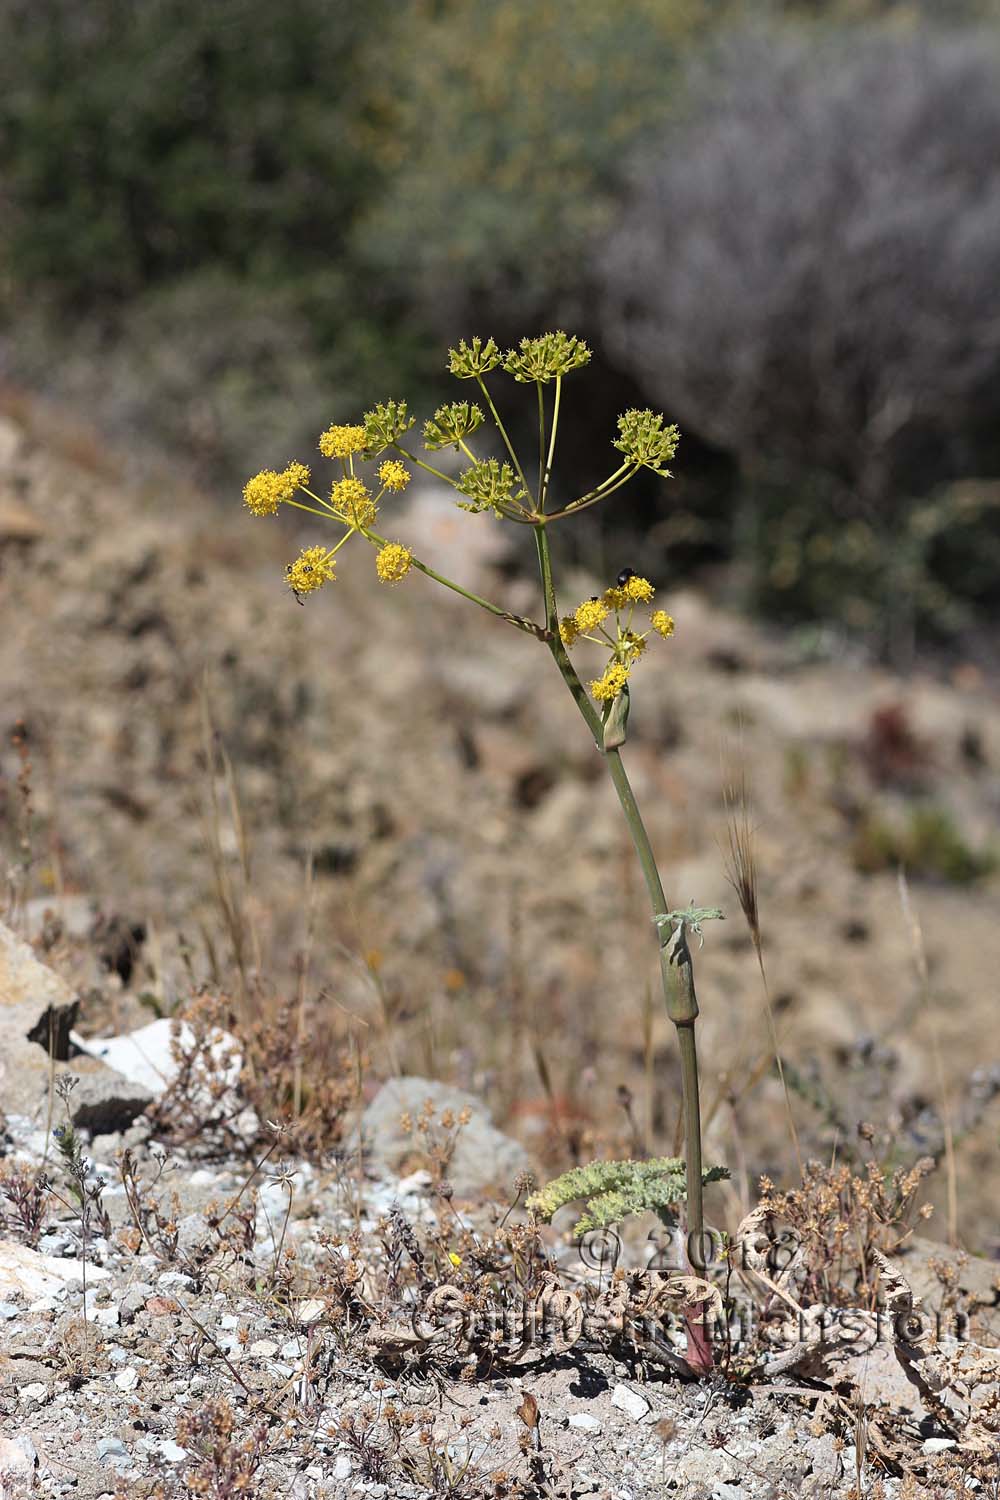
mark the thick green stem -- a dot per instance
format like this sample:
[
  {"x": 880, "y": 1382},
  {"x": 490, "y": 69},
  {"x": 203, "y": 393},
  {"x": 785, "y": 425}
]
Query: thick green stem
[{"x": 675, "y": 957}]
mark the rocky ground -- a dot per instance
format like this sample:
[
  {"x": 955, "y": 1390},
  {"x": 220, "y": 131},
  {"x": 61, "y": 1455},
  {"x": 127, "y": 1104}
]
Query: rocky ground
[
  {"x": 381, "y": 813},
  {"x": 270, "y": 1327}
]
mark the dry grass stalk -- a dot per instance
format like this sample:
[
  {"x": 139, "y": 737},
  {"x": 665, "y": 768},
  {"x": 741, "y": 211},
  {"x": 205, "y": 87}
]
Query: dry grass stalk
[
  {"x": 740, "y": 858},
  {"x": 916, "y": 936}
]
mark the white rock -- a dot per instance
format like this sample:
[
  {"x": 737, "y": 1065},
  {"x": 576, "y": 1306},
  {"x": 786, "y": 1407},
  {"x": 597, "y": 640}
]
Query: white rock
[
  {"x": 264, "y": 1348},
  {"x": 938, "y": 1445},
  {"x": 342, "y": 1468},
  {"x": 17, "y": 1462},
  {"x": 127, "y": 1380},
  {"x": 173, "y": 1452},
  {"x": 36, "y": 1392},
  {"x": 310, "y": 1310},
  {"x": 415, "y": 1184},
  {"x": 33, "y": 1275},
  {"x": 585, "y": 1423},
  {"x": 630, "y": 1402},
  {"x": 146, "y": 1056}
]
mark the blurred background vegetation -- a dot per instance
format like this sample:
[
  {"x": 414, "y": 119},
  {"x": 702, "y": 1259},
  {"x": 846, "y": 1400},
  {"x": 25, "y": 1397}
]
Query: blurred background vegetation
[{"x": 224, "y": 226}]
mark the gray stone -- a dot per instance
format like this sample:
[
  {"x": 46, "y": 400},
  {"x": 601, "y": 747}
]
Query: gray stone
[
  {"x": 34, "y": 1002},
  {"x": 134, "y": 1300},
  {"x": 111, "y": 1448},
  {"x": 103, "y": 1100},
  {"x": 707, "y": 1466},
  {"x": 37, "y": 1013},
  {"x": 483, "y": 1156},
  {"x": 8, "y": 1311}
]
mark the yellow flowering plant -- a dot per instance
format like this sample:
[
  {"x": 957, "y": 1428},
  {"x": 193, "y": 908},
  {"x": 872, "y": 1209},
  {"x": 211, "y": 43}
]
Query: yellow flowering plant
[{"x": 618, "y": 620}]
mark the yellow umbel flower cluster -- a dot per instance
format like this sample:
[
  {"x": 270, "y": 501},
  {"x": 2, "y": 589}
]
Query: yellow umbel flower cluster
[
  {"x": 393, "y": 562},
  {"x": 313, "y": 567},
  {"x": 590, "y": 614},
  {"x": 394, "y": 475},
  {"x": 626, "y": 645},
  {"x": 610, "y": 685},
  {"x": 634, "y": 590},
  {"x": 351, "y": 502},
  {"x": 266, "y": 490},
  {"x": 341, "y": 442}
]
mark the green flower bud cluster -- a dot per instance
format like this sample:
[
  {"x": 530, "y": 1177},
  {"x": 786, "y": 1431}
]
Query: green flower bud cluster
[
  {"x": 489, "y": 486},
  {"x": 450, "y": 424},
  {"x": 385, "y": 425},
  {"x": 546, "y": 357},
  {"x": 475, "y": 359},
  {"x": 644, "y": 439}
]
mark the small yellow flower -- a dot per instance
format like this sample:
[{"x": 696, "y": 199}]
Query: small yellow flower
[
  {"x": 662, "y": 623},
  {"x": 639, "y": 589},
  {"x": 393, "y": 562},
  {"x": 615, "y": 598},
  {"x": 568, "y": 630},
  {"x": 610, "y": 685},
  {"x": 341, "y": 442},
  {"x": 266, "y": 490},
  {"x": 393, "y": 474},
  {"x": 456, "y": 1260},
  {"x": 591, "y": 613},
  {"x": 352, "y": 502},
  {"x": 632, "y": 646},
  {"x": 313, "y": 567}
]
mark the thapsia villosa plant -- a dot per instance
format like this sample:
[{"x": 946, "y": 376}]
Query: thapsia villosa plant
[{"x": 609, "y": 619}]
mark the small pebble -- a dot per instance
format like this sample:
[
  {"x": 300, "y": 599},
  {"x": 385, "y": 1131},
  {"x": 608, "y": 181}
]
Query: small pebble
[
  {"x": 939, "y": 1445},
  {"x": 127, "y": 1380},
  {"x": 585, "y": 1423},
  {"x": 111, "y": 1447},
  {"x": 174, "y": 1278},
  {"x": 264, "y": 1348},
  {"x": 630, "y": 1402}
]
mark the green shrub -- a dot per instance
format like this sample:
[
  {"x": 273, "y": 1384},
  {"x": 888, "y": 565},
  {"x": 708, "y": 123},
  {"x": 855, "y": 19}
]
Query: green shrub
[{"x": 927, "y": 845}]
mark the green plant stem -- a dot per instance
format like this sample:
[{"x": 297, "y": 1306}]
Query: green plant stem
[
  {"x": 595, "y": 496},
  {"x": 541, "y": 445},
  {"x": 675, "y": 958},
  {"x": 412, "y": 457},
  {"x": 528, "y": 626},
  {"x": 546, "y": 476},
  {"x": 503, "y": 432}
]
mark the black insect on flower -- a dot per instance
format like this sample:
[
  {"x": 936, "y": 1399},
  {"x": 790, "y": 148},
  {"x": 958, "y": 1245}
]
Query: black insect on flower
[{"x": 624, "y": 576}]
